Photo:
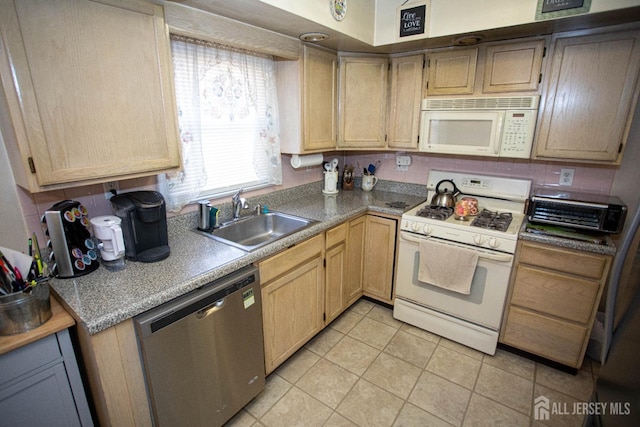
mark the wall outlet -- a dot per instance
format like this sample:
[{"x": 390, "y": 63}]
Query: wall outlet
[
  {"x": 566, "y": 176},
  {"x": 402, "y": 163},
  {"x": 110, "y": 189}
]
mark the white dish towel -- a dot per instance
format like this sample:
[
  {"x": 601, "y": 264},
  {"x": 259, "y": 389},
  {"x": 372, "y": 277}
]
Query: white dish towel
[{"x": 447, "y": 266}]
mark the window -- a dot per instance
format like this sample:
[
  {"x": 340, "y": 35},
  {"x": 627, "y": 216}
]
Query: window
[{"x": 228, "y": 120}]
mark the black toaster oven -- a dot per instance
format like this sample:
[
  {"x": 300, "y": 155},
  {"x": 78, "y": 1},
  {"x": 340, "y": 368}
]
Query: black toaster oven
[{"x": 584, "y": 211}]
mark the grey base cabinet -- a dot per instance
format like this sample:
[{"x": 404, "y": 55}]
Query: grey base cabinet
[{"x": 40, "y": 385}]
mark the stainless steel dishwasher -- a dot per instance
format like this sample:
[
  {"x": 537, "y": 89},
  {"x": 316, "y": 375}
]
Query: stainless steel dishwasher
[{"x": 203, "y": 352}]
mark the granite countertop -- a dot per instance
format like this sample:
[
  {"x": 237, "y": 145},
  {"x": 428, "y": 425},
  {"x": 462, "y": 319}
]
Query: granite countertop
[
  {"x": 607, "y": 249},
  {"x": 103, "y": 298}
]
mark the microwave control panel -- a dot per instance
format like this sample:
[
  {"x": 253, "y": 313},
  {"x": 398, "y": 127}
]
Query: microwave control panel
[{"x": 517, "y": 133}]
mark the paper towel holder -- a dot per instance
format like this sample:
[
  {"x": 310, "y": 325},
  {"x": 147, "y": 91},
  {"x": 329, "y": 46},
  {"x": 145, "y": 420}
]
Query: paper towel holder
[{"x": 298, "y": 161}]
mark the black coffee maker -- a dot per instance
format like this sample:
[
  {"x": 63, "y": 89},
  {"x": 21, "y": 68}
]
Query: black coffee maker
[{"x": 144, "y": 225}]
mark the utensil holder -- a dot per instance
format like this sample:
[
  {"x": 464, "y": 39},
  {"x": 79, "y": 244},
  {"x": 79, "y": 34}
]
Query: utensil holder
[{"x": 22, "y": 311}]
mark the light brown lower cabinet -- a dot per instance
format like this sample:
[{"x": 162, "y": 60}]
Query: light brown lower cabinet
[
  {"x": 355, "y": 255},
  {"x": 292, "y": 299},
  {"x": 306, "y": 287},
  {"x": 335, "y": 272},
  {"x": 379, "y": 257},
  {"x": 552, "y": 301}
]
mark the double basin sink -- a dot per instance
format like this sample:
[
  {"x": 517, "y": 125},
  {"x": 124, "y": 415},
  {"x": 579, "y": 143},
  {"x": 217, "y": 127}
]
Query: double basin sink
[{"x": 253, "y": 232}]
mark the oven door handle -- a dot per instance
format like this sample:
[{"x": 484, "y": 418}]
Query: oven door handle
[{"x": 493, "y": 257}]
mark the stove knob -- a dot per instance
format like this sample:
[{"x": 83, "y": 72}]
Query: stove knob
[
  {"x": 427, "y": 229},
  {"x": 493, "y": 242},
  {"x": 478, "y": 240},
  {"x": 415, "y": 226}
]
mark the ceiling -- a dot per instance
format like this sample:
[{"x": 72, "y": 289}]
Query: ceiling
[{"x": 259, "y": 14}]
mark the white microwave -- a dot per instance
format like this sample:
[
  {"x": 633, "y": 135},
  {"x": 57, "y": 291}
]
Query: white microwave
[{"x": 496, "y": 127}]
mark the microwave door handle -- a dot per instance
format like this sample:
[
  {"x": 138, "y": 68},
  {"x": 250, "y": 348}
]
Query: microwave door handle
[
  {"x": 493, "y": 257},
  {"x": 496, "y": 148}
]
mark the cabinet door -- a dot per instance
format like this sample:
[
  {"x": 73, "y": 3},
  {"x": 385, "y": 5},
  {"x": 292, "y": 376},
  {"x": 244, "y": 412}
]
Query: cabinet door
[
  {"x": 591, "y": 94},
  {"x": 451, "y": 72},
  {"x": 404, "y": 106},
  {"x": 292, "y": 308},
  {"x": 379, "y": 257},
  {"x": 93, "y": 95},
  {"x": 320, "y": 102},
  {"x": 355, "y": 254},
  {"x": 43, "y": 398},
  {"x": 513, "y": 67},
  {"x": 335, "y": 281},
  {"x": 363, "y": 102}
]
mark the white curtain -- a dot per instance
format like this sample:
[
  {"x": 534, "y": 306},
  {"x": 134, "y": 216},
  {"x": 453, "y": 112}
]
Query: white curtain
[{"x": 228, "y": 120}]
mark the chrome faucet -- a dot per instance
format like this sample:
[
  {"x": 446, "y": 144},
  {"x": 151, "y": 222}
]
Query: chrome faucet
[{"x": 238, "y": 203}]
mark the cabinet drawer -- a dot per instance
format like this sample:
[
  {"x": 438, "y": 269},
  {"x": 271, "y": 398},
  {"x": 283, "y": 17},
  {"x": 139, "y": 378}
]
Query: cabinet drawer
[
  {"x": 553, "y": 293},
  {"x": 550, "y": 338},
  {"x": 336, "y": 235},
  {"x": 286, "y": 260},
  {"x": 567, "y": 260},
  {"x": 29, "y": 357}
]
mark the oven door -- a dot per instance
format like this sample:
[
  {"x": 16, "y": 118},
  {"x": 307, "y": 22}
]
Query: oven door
[{"x": 483, "y": 306}]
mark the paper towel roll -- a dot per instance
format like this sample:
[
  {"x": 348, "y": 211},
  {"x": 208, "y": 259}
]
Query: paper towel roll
[{"x": 308, "y": 160}]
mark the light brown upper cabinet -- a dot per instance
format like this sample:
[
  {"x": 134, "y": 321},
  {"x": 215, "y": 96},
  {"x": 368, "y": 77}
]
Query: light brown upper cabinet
[
  {"x": 362, "y": 102},
  {"x": 509, "y": 67},
  {"x": 451, "y": 72},
  {"x": 591, "y": 92},
  {"x": 512, "y": 67},
  {"x": 87, "y": 92},
  {"x": 404, "y": 101},
  {"x": 308, "y": 102}
]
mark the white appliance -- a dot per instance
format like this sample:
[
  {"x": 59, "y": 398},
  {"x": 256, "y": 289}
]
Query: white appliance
[
  {"x": 107, "y": 229},
  {"x": 496, "y": 127},
  {"x": 474, "y": 319}
]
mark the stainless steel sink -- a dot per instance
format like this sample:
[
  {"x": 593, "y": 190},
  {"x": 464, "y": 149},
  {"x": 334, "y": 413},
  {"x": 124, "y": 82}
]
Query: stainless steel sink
[{"x": 253, "y": 232}]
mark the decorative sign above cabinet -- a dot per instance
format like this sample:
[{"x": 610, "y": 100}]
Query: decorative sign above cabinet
[
  {"x": 549, "y": 9},
  {"x": 412, "y": 20}
]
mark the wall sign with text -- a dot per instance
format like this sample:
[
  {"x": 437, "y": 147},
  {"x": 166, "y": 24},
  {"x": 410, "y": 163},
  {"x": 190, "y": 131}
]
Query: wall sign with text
[
  {"x": 413, "y": 20},
  {"x": 549, "y": 9}
]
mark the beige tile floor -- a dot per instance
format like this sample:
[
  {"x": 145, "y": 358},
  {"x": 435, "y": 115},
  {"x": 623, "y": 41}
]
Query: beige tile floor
[{"x": 368, "y": 369}]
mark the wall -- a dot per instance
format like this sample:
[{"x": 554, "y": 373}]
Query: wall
[
  {"x": 588, "y": 178},
  {"x": 12, "y": 228},
  {"x": 478, "y": 15},
  {"x": 93, "y": 198}
]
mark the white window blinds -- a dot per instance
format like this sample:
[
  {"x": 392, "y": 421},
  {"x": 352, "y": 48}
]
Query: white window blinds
[{"x": 228, "y": 119}]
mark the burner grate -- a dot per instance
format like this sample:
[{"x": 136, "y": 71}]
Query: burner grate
[
  {"x": 493, "y": 220},
  {"x": 435, "y": 212}
]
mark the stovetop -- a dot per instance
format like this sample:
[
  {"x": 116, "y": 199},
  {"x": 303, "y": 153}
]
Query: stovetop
[
  {"x": 464, "y": 231},
  {"x": 501, "y": 204}
]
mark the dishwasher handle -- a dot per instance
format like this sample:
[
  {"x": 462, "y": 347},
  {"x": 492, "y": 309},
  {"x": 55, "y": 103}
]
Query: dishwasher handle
[{"x": 216, "y": 306}]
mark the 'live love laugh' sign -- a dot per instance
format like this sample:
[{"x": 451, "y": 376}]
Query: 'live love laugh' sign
[{"x": 412, "y": 20}]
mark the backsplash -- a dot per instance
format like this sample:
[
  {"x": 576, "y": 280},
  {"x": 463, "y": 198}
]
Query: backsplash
[{"x": 590, "y": 178}]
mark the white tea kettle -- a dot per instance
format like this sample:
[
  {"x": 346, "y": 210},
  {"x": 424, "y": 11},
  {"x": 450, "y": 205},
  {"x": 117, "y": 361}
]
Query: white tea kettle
[{"x": 111, "y": 243}]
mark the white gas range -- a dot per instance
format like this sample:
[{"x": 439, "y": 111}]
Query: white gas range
[{"x": 472, "y": 319}]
